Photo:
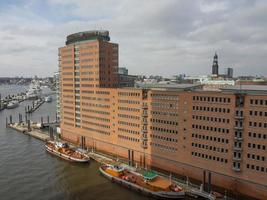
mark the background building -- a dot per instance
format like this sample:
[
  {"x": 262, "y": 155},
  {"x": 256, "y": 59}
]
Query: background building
[{"x": 181, "y": 128}]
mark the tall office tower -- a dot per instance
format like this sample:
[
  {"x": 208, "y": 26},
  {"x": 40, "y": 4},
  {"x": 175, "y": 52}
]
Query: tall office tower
[
  {"x": 215, "y": 66},
  {"x": 230, "y": 72}
]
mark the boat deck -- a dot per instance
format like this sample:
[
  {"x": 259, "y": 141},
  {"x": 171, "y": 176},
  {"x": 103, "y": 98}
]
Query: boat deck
[{"x": 67, "y": 151}]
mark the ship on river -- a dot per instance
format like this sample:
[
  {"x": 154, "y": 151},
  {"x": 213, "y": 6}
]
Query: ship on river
[
  {"x": 148, "y": 183},
  {"x": 62, "y": 150},
  {"x": 34, "y": 91}
]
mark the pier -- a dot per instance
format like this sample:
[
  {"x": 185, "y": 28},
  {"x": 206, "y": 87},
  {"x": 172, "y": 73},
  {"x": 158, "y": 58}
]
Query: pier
[
  {"x": 35, "y": 105},
  {"x": 34, "y": 133},
  {"x": 33, "y": 129}
]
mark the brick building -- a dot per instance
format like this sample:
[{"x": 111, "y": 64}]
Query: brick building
[{"x": 183, "y": 129}]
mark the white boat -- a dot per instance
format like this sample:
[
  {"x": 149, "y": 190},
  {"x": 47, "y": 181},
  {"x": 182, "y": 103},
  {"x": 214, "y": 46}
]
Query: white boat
[
  {"x": 12, "y": 104},
  {"x": 62, "y": 150},
  {"x": 34, "y": 91},
  {"x": 48, "y": 99}
]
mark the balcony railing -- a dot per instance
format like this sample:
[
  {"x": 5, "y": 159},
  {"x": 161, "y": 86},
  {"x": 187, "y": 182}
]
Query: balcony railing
[
  {"x": 239, "y": 117},
  {"x": 144, "y": 114},
  {"x": 239, "y": 127},
  {"x": 238, "y": 148},
  {"x": 238, "y": 138},
  {"x": 237, "y": 159},
  {"x": 236, "y": 169},
  {"x": 144, "y": 130}
]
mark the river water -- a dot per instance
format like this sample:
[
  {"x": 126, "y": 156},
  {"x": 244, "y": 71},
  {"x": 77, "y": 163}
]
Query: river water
[{"x": 28, "y": 172}]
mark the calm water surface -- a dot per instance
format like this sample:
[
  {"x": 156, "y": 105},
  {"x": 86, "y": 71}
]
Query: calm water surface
[{"x": 28, "y": 172}]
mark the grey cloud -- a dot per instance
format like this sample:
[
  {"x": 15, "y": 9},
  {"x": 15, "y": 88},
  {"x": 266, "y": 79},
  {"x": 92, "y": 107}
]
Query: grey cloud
[{"x": 163, "y": 37}]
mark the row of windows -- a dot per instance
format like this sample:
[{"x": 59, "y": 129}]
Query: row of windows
[
  {"x": 165, "y": 97},
  {"x": 257, "y": 113},
  {"x": 257, "y": 146},
  {"x": 128, "y": 131},
  {"x": 68, "y": 85},
  {"x": 68, "y": 107},
  {"x": 67, "y": 96},
  {"x": 256, "y": 167},
  {"x": 88, "y": 54},
  {"x": 88, "y": 85},
  {"x": 163, "y": 130},
  {"x": 258, "y": 124},
  {"x": 128, "y": 124},
  {"x": 87, "y": 79},
  {"x": 66, "y": 90},
  {"x": 96, "y": 111},
  {"x": 163, "y": 147},
  {"x": 210, "y": 138},
  {"x": 128, "y": 138},
  {"x": 210, "y": 128},
  {"x": 160, "y": 137},
  {"x": 88, "y": 91},
  {"x": 67, "y": 79},
  {"x": 68, "y": 118},
  {"x": 87, "y": 73},
  {"x": 68, "y": 113},
  {"x": 258, "y": 102},
  {"x": 162, "y": 113},
  {"x": 129, "y": 116},
  {"x": 69, "y": 124},
  {"x": 96, "y": 118},
  {"x": 67, "y": 61},
  {"x": 212, "y": 99},
  {"x": 67, "y": 101},
  {"x": 102, "y": 92},
  {"x": 257, "y": 135},
  {"x": 65, "y": 50},
  {"x": 129, "y": 101},
  {"x": 67, "y": 73},
  {"x": 88, "y": 60},
  {"x": 96, "y": 130},
  {"x": 132, "y": 94},
  {"x": 165, "y": 105},
  {"x": 212, "y": 119},
  {"x": 211, "y": 109},
  {"x": 164, "y": 121},
  {"x": 129, "y": 109},
  {"x": 88, "y": 47},
  {"x": 96, "y": 105},
  {"x": 256, "y": 157},
  {"x": 96, "y": 124},
  {"x": 211, "y": 148},
  {"x": 95, "y": 99},
  {"x": 67, "y": 67},
  {"x": 209, "y": 157}
]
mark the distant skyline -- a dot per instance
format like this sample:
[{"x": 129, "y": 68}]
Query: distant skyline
[{"x": 155, "y": 37}]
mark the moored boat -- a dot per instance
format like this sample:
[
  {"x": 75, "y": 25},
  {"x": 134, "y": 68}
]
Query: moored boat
[
  {"x": 12, "y": 104},
  {"x": 48, "y": 99},
  {"x": 149, "y": 184},
  {"x": 62, "y": 150}
]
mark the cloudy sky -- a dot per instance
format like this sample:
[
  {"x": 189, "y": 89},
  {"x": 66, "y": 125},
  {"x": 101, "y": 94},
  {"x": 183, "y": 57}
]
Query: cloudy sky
[{"x": 163, "y": 37}]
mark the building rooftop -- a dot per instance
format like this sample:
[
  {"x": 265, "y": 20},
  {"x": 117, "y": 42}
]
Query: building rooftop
[
  {"x": 260, "y": 89},
  {"x": 88, "y": 35},
  {"x": 169, "y": 86}
]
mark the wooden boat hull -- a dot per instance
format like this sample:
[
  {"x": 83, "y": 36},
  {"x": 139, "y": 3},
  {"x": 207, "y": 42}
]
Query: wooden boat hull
[
  {"x": 141, "y": 190},
  {"x": 66, "y": 157}
]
